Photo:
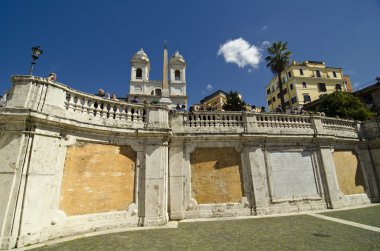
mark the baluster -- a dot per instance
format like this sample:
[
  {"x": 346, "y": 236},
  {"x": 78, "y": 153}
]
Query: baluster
[
  {"x": 101, "y": 109},
  {"x": 144, "y": 115},
  {"x": 121, "y": 112},
  {"x": 67, "y": 102},
  {"x": 90, "y": 109},
  {"x": 115, "y": 112},
  {"x": 129, "y": 114},
  {"x": 75, "y": 103},
  {"x": 82, "y": 104},
  {"x": 139, "y": 117}
]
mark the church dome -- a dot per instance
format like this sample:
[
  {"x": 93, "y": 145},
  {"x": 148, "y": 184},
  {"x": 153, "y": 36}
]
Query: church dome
[{"x": 140, "y": 56}]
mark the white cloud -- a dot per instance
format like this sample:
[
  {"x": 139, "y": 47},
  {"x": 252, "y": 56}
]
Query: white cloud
[
  {"x": 264, "y": 27},
  {"x": 249, "y": 70},
  {"x": 240, "y": 52},
  {"x": 265, "y": 44},
  {"x": 209, "y": 87}
]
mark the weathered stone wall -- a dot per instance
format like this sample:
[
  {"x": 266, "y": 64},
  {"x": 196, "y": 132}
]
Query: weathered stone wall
[
  {"x": 293, "y": 175},
  {"x": 97, "y": 178},
  {"x": 186, "y": 165},
  {"x": 216, "y": 175},
  {"x": 349, "y": 172}
]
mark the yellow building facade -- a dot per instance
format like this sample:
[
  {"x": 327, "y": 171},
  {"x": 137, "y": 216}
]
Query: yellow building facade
[
  {"x": 304, "y": 82},
  {"x": 214, "y": 101}
]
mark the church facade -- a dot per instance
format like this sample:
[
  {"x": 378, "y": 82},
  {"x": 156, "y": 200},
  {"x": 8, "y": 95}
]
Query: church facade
[{"x": 143, "y": 89}]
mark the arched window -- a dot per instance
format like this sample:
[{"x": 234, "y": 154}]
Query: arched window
[
  {"x": 156, "y": 92},
  {"x": 139, "y": 73},
  {"x": 177, "y": 75}
]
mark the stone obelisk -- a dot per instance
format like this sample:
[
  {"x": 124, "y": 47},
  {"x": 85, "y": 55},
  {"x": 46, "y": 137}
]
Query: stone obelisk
[{"x": 165, "y": 94}]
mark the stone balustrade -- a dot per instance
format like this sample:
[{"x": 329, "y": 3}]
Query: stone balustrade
[
  {"x": 58, "y": 100},
  {"x": 90, "y": 105},
  {"x": 262, "y": 123},
  {"x": 53, "y": 98}
]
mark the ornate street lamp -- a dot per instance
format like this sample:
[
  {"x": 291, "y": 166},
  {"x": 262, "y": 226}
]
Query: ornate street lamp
[{"x": 36, "y": 52}]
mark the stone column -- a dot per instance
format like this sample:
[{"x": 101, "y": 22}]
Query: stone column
[
  {"x": 369, "y": 174},
  {"x": 255, "y": 160},
  {"x": 14, "y": 149},
  {"x": 156, "y": 184},
  {"x": 330, "y": 181},
  {"x": 176, "y": 180}
]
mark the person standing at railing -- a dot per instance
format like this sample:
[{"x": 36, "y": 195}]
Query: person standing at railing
[
  {"x": 114, "y": 97},
  {"x": 279, "y": 109},
  {"x": 100, "y": 93}
]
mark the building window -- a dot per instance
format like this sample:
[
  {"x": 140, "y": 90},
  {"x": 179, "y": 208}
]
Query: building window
[
  {"x": 322, "y": 87},
  {"x": 301, "y": 72},
  {"x": 268, "y": 91},
  {"x": 334, "y": 74},
  {"x": 286, "y": 103},
  {"x": 273, "y": 99},
  {"x": 304, "y": 85},
  {"x": 306, "y": 98},
  {"x": 139, "y": 73},
  {"x": 291, "y": 87},
  {"x": 278, "y": 95},
  {"x": 272, "y": 88},
  {"x": 294, "y": 100},
  {"x": 269, "y": 102},
  {"x": 156, "y": 92},
  {"x": 177, "y": 75},
  {"x": 338, "y": 87},
  {"x": 289, "y": 74},
  {"x": 318, "y": 73},
  {"x": 284, "y": 91}
]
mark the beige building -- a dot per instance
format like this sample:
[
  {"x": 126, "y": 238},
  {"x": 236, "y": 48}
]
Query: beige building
[
  {"x": 214, "y": 101},
  {"x": 305, "y": 82}
]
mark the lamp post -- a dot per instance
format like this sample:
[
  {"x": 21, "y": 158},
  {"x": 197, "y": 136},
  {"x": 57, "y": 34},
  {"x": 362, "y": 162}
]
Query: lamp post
[{"x": 36, "y": 52}]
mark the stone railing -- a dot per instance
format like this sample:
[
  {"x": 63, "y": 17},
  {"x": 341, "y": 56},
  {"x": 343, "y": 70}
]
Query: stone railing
[
  {"x": 219, "y": 119},
  {"x": 262, "y": 123},
  {"x": 339, "y": 124},
  {"x": 93, "y": 106},
  {"x": 60, "y": 101}
]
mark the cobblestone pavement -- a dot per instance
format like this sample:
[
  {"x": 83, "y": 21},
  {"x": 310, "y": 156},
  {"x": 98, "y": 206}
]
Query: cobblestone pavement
[{"x": 300, "y": 232}]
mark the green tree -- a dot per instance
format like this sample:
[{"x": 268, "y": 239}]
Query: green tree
[
  {"x": 234, "y": 102},
  {"x": 277, "y": 61},
  {"x": 345, "y": 105}
]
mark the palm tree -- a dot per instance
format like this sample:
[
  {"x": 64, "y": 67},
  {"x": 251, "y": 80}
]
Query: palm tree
[
  {"x": 234, "y": 102},
  {"x": 277, "y": 61}
]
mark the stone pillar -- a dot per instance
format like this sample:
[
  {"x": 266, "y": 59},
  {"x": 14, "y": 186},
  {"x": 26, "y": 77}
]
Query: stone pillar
[
  {"x": 14, "y": 149},
  {"x": 255, "y": 160},
  {"x": 330, "y": 180},
  {"x": 316, "y": 122},
  {"x": 176, "y": 180},
  {"x": 156, "y": 184},
  {"x": 369, "y": 173}
]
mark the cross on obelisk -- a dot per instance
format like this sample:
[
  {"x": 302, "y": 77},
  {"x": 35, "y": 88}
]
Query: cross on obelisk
[{"x": 165, "y": 94}]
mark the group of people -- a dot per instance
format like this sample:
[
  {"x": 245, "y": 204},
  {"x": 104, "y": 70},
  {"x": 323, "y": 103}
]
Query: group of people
[{"x": 107, "y": 95}]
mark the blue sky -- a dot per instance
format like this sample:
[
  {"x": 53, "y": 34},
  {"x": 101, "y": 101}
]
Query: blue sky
[{"x": 89, "y": 44}]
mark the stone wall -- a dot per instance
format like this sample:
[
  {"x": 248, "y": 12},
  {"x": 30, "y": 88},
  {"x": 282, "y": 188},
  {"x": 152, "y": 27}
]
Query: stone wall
[
  {"x": 97, "y": 178},
  {"x": 216, "y": 175},
  {"x": 349, "y": 172},
  {"x": 72, "y": 162}
]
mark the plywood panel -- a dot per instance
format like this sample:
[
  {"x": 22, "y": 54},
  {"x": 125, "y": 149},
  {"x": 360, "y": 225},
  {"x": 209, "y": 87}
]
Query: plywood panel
[
  {"x": 216, "y": 175},
  {"x": 97, "y": 178},
  {"x": 349, "y": 173}
]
